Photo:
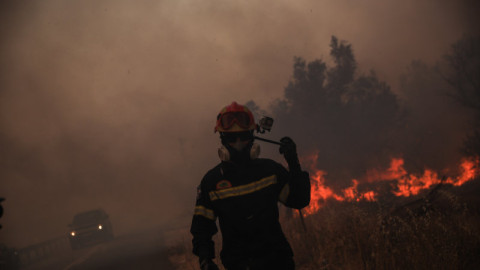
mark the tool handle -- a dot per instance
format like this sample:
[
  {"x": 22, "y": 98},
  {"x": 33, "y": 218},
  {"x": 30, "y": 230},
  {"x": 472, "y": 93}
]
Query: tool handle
[
  {"x": 302, "y": 220},
  {"x": 269, "y": 141}
]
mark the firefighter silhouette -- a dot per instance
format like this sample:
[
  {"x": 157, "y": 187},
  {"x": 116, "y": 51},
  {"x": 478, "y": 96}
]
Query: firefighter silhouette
[{"x": 243, "y": 192}]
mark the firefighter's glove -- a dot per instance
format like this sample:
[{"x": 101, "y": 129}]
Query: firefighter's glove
[
  {"x": 208, "y": 264},
  {"x": 289, "y": 151}
]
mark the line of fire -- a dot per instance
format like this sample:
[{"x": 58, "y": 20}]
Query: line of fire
[{"x": 401, "y": 182}]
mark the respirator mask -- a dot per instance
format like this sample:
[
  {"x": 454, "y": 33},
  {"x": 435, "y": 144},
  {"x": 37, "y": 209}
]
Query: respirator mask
[{"x": 238, "y": 147}]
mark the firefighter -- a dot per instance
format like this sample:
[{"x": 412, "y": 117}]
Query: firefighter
[{"x": 243, "y": 193}]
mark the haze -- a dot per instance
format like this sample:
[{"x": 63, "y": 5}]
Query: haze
[{"x": 112, "y": 103}]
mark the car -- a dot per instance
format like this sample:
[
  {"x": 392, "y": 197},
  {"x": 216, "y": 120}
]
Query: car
[{"x": 90, "y": 227}]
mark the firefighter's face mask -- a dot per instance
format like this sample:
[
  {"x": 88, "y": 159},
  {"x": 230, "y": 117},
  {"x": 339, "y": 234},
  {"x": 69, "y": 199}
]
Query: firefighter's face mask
[{"x": 238, "y": 146}]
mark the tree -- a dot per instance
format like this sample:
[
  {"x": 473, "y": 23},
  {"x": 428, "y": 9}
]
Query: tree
[
  {"x": 463, "y": 72},
  {"x": 344, "y": 116},
  {"x": 463, "y": 75}
]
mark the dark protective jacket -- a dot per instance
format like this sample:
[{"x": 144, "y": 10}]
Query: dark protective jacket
[{"x": 245, "y": 200}]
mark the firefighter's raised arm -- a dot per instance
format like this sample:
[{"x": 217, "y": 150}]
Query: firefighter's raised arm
[{"x": 296, "y": 192}]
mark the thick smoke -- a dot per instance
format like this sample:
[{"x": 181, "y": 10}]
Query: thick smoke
[{"x": 112, "y": 103}]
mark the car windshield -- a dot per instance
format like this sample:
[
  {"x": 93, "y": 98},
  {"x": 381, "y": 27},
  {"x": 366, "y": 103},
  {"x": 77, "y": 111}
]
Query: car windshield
[{"x": 87, "y": 217}]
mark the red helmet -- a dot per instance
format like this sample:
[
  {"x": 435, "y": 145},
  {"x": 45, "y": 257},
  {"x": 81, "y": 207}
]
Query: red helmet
[{"x": 235, "y": 118}]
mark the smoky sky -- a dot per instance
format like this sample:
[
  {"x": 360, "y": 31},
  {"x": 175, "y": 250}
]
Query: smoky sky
[{"x": 112, "y": 103}]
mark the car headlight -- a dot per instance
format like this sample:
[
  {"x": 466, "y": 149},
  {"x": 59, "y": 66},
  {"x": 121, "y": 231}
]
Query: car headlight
[
  {"x": 72, "y": 233},
  {"x": 100, "y": 227}
]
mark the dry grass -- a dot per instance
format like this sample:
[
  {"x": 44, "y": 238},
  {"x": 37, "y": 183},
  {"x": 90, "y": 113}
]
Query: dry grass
[
  {"x": 444, "y": 234},
  {"x": 439, "y": 232}
]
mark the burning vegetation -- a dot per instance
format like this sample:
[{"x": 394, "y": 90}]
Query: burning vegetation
[{"x": 402, "y": 183}]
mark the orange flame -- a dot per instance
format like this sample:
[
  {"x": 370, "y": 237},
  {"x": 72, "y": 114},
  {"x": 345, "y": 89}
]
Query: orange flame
[
  {"x": 395, "y": 171},
  {"x": 319, "y": 193},
  {"x": 352, "y": 194},
  {"x": 404, "y": 184},
  {"x": 469, "y": 170}
]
